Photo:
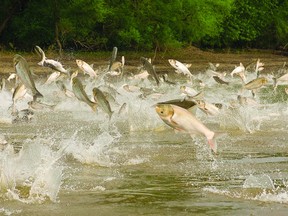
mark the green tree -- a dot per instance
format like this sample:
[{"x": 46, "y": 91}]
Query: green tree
[
  {"x": 81, "y": 24},
  {"x": 143, "y": 24},
  {"x": 261, "y": 24}
]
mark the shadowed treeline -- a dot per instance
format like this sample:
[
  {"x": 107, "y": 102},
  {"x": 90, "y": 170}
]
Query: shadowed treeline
[{"x": 143, "y": 25}]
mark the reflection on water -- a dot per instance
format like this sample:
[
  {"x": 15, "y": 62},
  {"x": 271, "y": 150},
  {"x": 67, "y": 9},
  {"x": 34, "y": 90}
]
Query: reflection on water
[{"x": 72, "y": 161}]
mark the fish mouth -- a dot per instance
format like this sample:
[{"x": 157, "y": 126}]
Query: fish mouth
[{"x": 157, "y": 108}]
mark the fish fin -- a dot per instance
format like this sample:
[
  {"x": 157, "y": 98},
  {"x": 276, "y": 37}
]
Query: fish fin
[
  {"x": 94, "y": 107},
  {"x": 178, "y": 130},
  {"x": 212, "y": 142}
]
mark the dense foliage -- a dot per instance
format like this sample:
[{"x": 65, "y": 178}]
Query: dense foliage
[{"x": 143, "y": 24}]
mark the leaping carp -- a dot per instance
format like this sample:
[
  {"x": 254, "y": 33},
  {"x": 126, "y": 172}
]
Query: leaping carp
[
  {"x": 55, "y": 65},
  {"x": 80, "y": 94},
  {"x": 24, "y": 73},
  {"x": 182, "y": 120}
]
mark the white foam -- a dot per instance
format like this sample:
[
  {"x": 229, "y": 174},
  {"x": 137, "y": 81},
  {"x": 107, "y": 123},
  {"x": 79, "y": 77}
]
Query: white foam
[
  {"x": 96, "y": 152},
  {"x": 32, "y": 175}
]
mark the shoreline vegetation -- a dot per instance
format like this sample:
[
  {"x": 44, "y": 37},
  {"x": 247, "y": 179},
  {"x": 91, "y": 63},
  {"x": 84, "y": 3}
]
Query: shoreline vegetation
[{"x": 228, "y": 59}]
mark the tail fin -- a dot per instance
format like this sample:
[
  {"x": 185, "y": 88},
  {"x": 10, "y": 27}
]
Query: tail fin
[
  {"x": 94, "y": 107},
  {"x": 213, "y": 144}
]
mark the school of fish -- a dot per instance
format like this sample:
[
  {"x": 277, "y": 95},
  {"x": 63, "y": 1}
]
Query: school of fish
[{"x": 179, "y": 114}]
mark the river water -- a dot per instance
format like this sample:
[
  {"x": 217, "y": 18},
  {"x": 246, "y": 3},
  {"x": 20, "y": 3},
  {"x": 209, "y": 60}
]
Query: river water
[{"x": 72, "y": 161}]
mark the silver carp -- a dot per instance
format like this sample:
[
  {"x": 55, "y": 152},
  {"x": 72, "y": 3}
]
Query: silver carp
[
  {"x": 150, "y": 69},
  {"x": 24, "y": 73},
  {"x": 55, "y": 65},
  {"x": 81, "y": 95},
  {"x": 86, "y": 68},
  {"x": 182, "y": 120},
  {"x": 101, "y": 100}
]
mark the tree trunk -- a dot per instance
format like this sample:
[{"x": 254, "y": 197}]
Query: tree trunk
[
  {"x": 56, "y": 14},
  {"x": 57, "y": 38}
]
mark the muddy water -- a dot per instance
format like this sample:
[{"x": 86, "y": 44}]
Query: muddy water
[{"x": 71, "y": 161}]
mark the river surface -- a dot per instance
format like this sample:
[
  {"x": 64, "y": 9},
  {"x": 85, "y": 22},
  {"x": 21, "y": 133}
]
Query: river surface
[{"x": 70, "y": 160}]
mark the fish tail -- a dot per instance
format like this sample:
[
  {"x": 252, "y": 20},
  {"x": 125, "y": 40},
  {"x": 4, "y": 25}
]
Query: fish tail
[
  {"x": 94, "y": 107},
  {"x": 213, "y": 144}
]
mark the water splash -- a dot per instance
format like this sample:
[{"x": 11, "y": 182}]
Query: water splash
[
  {"x": 258, "y": 188},
  {"x": 262, "y": 181},
  {"x": 9, "y": 212},
  {"x": 246, "y": 119},
  {"x": 31, "y": 176},
  {"x": 95, "y": 152}
]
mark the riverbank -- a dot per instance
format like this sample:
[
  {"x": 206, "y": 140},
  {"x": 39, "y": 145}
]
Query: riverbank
[{"x": 199, "y": 59}]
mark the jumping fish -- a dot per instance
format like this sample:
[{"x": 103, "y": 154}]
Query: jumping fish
[
  {"x": 24, "y": 73},
  {"x": 186, "y": 104},
  {"x": 142, "y": 75},
  {"x": 188, "y": 91},
  {"x": 19, "y": 92},
  {"x": 150, "y": 69},
  {"x": 259, "y": 67},
  {"x": 220, "y": 81},
  {"x": 113, "y": 58},
  {"x": 240, "y": 71},
  {"x": 165, "y": 79},
  {"x": 281, "y": 80},
  {"x": 35, "y": 105},
  {"x": 116, "y": 69},
  {"x": 182, "y": 120},
  {"x": 86, "y": 68},
  {"x": 256, "y": 83},
  {"x": 63, "y": 88},
  {"x": 80, "y": 94},
  {"x": 55, "y": 65},
  {"x": 180, "y": 67},
  {"x": 208, "y": 108},
  {"x": 101, "y": 100},
  {"x": 191, "y": 93},
  {"x": 211, "y": 71},
  {"x": 53, "y": 77}
]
